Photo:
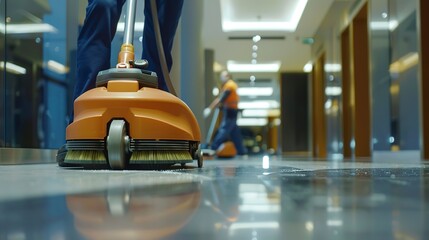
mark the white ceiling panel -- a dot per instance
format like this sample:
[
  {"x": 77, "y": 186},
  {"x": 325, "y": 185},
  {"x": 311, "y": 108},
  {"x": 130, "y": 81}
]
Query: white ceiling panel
[{"x": 289, "y": 49}]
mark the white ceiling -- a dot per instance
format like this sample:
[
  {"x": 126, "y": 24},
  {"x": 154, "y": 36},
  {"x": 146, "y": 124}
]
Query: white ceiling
[
  {"x": 253, "y": 10},
  {"x": 292, "y": 53}
]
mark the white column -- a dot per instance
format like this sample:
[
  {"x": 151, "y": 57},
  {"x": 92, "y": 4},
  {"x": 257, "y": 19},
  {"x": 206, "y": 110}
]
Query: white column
[{"x": 192, "y": 87}]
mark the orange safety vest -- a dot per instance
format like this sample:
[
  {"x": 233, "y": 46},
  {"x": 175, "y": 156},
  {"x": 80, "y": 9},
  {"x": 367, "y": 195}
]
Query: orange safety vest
[{"x": 232, "y": 100}]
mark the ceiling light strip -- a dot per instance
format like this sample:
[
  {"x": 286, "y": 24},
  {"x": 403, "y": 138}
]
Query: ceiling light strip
[
  {"x": 253, "y": 67},
  {"x": 255, "y": 91}
]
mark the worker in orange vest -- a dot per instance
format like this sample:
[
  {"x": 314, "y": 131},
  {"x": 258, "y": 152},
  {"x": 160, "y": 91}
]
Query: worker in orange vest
[{"x": 228, "y": 128}]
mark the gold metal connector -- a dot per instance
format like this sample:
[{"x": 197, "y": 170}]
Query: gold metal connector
[{"x": 125, "y": 56}]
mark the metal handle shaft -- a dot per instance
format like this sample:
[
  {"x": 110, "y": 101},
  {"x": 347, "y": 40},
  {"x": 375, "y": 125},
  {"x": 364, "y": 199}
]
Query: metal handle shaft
[{"x": 129, "y": 21}]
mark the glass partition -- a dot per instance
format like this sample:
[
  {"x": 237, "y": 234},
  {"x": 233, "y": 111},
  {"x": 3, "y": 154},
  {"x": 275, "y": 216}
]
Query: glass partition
[
  {"x": 380, "y": 60},
  {"x": 2, "y": 73},
  {"x": 404, "y": 73},
  {"x": 38, "y": 43},
  {"x": 394, "y": 64}
]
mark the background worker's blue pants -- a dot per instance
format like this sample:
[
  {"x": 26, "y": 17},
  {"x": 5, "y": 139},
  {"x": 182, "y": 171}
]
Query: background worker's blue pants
[
  {"x": 98, "y": 31},
  {"x": 228, "y": 129}
]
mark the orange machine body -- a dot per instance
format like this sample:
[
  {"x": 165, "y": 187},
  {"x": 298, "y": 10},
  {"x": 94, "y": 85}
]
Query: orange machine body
[{"x": 151, "y": 113}]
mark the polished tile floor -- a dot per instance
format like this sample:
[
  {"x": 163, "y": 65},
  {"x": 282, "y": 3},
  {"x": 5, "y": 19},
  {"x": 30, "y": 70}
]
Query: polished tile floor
[{"x": 249, "y": 198}]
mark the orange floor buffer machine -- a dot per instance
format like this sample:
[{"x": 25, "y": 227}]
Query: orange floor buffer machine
[{"x": 126, "y": 121}]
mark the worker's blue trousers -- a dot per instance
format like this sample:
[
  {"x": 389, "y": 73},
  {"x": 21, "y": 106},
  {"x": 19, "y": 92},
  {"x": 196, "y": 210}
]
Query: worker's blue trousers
[
  {"x": 228, "y": 129},
  {"x": 99, "y": 28}
]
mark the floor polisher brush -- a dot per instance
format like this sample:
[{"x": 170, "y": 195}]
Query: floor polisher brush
[{"x": 126, "y": 120}]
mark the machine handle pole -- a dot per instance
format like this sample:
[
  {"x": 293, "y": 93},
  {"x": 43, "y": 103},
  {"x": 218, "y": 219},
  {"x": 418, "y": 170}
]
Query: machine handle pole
[
  {"x": 129, "y": 22},
  {"x": 212, "y": 126}
]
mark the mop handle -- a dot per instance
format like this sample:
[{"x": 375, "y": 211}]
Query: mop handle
[
  {"x": 212, "y": 125},
  {"x": 130, "y": 18}
]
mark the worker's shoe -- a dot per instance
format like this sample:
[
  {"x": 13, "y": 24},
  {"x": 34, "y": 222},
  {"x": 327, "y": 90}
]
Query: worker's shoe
[{"x": 208, "y": 152}]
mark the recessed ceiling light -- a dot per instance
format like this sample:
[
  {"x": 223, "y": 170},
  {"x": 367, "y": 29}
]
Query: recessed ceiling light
[
  {"x": 259, "y": 104},
  {"x": 252, "y": 121},
  {"x": 308, "y": 67},
  {"x": 287, "y": 23},
  {"x": 256, "y": 38},
  {"x": 253, "y": 67},
  {"x": 333, "y": 91},
  {"x": 332, "y": 67}
]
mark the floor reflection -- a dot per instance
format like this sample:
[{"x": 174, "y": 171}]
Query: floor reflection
[
  {"x": 153, "y": 212},
  {"x": 235, "y": 202}
]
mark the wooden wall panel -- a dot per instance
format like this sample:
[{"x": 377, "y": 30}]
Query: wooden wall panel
[
  {"x": 347, "y": 107},
  {"x": 319, "y": 121},
  {"x": 361, "y": 83}
]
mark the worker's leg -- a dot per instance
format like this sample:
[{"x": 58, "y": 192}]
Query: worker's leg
[
  {"x": 223, "y": 133},
  {"x": 229, "y": 121},
  {"x": 94, "y": 42},
  {"x": 237, "y": 139},
  {"x": 169, "y": 12}
]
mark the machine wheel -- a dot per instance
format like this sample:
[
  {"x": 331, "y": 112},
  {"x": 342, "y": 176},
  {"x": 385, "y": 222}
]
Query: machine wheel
[{"x": 117, "y": 145}]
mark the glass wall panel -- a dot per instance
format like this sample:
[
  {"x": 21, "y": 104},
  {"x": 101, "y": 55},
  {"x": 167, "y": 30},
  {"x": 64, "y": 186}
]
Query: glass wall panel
[
  {"x": 37, "y": 53},
  {"x": 2, "y": 72},
  {"x": 38, "y": 41},
  {"x": 382, "y": 125},
  {"x": 404, "y": 73},
  {"x": 327, "y": 40},
  {"x": 394, "y": 64}
]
